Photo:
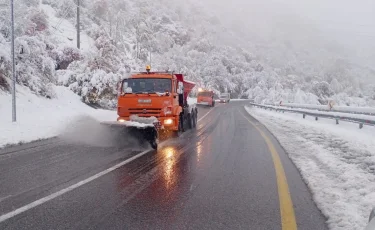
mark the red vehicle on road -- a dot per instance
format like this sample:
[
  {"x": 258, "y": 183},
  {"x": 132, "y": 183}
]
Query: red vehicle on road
[{"x": 206, "y": 97}]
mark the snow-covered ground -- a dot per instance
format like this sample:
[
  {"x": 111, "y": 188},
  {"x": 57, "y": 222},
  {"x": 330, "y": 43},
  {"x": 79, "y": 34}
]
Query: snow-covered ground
[
  {"x": 338, "y": 114},
  {"x": 337, "y": 162},
  {"x": 192, "y": 100},
  {"x": 65, "y": 32},
  {"x": 335, "y": 108},
  {"x": 39, "y": 118}
]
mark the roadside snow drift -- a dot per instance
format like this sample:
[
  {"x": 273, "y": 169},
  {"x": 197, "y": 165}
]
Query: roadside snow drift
[
  {"x": 337, "y": 162},
  {"x": 87, "y": 130},
  {"x": 40, "y": 118},
  {"x": 192, "y": 100}
]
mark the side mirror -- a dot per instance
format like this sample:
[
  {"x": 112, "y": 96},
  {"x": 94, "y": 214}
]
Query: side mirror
[{"x": 180, "y": 89}]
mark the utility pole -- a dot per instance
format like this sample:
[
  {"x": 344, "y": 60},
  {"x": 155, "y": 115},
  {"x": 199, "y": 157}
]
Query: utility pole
[
  {"x": 14, "y": 115},
  {"x": 78, "y": 26},
  {"x": 150, "y": 59}
]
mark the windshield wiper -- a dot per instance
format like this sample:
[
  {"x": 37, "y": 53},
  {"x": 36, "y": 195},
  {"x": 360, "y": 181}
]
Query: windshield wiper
[
  {"x": 143, "y": 93},
  {"x": 152, "y": 92}
]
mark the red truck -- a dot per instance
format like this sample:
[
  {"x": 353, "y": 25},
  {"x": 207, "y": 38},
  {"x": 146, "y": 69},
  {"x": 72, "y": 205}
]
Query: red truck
[{"x": 206, "y": 97}]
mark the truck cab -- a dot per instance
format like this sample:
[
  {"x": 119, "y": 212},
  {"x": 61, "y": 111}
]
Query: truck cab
[{"x": 160, "y": 95}]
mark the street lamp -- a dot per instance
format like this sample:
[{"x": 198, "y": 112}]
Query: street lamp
[{"x": 14, "y": 115}]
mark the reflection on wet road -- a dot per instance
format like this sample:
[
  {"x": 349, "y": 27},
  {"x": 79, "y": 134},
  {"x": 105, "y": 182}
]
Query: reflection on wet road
[{"x": 219, "y": 176}]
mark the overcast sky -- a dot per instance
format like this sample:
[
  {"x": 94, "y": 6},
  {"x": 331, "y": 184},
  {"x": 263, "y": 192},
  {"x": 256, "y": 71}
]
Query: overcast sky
[{"x": 349, "y": 22}]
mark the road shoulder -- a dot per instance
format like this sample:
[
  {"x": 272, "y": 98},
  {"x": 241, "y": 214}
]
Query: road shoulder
[{"x": 307, "y": 214}]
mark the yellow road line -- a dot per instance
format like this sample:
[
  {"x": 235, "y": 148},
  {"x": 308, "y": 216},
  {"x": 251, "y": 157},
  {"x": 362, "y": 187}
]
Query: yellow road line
[{"x": 288, "y": 219}]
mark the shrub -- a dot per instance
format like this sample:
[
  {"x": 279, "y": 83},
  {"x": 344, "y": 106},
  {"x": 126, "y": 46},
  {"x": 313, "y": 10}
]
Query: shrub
[{"x": 65, "y": 55}]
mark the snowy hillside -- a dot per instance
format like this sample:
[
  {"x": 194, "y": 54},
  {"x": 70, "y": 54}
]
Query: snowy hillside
[{"x": 118, "y": 37}]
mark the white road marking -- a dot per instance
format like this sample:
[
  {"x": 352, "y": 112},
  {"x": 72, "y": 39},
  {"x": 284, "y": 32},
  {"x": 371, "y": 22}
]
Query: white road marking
[
  {"x": 68, "y": 189},
  {"x": 206, "y": 114},
  {"x": 4, "y": 198},
  {"x": 52, "y": 196}
]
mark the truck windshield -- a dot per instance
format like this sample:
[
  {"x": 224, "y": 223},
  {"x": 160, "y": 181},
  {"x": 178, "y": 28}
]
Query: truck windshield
[
  {"x": 205, "y": 94},
  {"x": 147, "y": 85}
]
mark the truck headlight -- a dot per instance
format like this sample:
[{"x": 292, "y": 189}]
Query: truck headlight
[
  {"x": 168, "y": 121},
  {"x": 121, "y": 120}
]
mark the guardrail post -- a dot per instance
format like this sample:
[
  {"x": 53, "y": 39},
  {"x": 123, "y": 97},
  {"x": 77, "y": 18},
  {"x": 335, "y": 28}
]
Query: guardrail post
[
  {"x": 304, "y": 116},
  {"x": 360, "y": 125},
  {"x": 316, "y": 118},
  {"x": 337, "y": 121}
]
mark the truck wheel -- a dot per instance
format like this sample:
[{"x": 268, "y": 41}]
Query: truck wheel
[
  {"x": 154, "y": 144},
  {"x": 190, "y": 120},
  {"x": 180, "y": 128},
  {"x": 194, "y": 120},
  {"x": 195, "y": 117}
]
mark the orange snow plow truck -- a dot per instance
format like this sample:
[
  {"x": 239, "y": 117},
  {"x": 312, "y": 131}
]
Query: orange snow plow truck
[
  {"x": 151, "y": 103},
  {"x": 206, "y": 97}
]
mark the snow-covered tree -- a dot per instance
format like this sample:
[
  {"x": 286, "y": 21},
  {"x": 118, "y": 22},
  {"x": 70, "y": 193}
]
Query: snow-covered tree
[
  {"x": 336, "y": 86},
  {"x": 322, "y": 90},
  {"x": 181, "y": 36}
]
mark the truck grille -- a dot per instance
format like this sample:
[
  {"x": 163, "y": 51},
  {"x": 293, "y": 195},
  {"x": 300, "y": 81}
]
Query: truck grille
[{"x": 146, "y": 112}]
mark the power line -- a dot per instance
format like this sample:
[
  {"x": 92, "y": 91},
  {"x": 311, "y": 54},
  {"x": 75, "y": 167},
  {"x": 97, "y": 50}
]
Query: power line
[{"x": 65, "y": 13}]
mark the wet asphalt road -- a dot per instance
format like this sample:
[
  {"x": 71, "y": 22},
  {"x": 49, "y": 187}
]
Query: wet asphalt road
[{"x": 220, "y": 176}]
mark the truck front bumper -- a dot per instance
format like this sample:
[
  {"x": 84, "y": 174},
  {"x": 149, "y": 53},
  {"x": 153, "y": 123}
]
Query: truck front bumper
[{"x": 164, "y": 123}]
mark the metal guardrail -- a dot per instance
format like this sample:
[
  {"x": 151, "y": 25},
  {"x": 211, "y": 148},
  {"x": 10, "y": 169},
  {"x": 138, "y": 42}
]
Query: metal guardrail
[
  {"x": 342, "y": 109},
  {"x": 338, "y": 118}
]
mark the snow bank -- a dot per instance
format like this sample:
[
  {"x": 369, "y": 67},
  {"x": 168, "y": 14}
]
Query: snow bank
[
  {"x": 143, "y": 120},
  {"x": 39, "y": 118},
  {"x": 192, "y": 100},
  {"x": 337, "y": 162},
  {"x": 239, "y": 99},
  {"x": 347, "y": 109},
  {"x": 343, "y": 115}
]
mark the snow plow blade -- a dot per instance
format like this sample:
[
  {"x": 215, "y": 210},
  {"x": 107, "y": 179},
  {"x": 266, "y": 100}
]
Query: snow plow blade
[{"x": 142, "y": 132}]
